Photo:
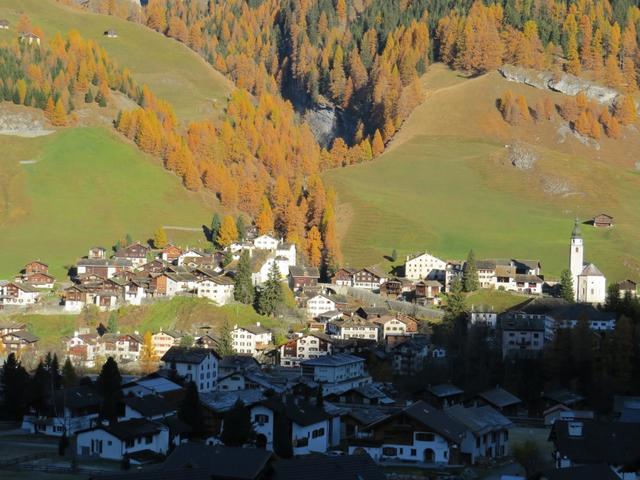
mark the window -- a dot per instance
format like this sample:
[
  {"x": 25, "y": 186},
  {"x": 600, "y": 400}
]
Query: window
[
  {"x": 318, "y": 433},
  {"x": 261, "y": 419},
  {"x": 425, "y": 437},
  {"x": 413, "y": 452},
  {"x": 148, "y": 439},
  {"x": 389, "y": 451},
  {"x": 130, "y": 443}
]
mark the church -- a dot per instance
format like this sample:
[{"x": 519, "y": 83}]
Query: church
[{"x": 589, "y": 283}]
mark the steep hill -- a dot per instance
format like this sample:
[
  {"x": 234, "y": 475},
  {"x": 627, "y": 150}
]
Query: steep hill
[
  {"x": 446, "y": 185},
  {"x": 64, "y": 192},
  {"x": 173, "y": 72}
]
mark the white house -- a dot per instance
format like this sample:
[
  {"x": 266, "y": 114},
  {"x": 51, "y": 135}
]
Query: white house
[
  {"x": 336, "y": 373},
  {"x": 217, "y": 288},
  {"x": 18, "y": 294},
  {"x": 389, "y": 325},
  {"x": 179, "y": 283},
  {"x": 251, "y": 339},
  {"x": 345, "y": 329},
  {"x": 319, "y": 304},
  {"x": 199, "y": 365},
  {"x": 304, "y": 347},
  {"x": 266, "y": 242},
  {"x": 112, "y": 442},
  {"x": 288, "y": 251},
  {"x": 484, "y": 316},
  {"x": 185, "y": 256},
  {"x": 425, "y": 266},
  {"x": 134, "y": 293}
]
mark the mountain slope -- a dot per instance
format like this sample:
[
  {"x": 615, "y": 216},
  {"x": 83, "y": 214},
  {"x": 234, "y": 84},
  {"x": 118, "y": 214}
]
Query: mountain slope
[
  {"x": 84, "y": 186},
  {"x": 171, "y": 70},
  {"x": 445, "y": 185}
]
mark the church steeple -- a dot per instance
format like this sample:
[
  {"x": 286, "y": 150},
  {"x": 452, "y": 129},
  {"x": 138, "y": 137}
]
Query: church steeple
[{"x": 576, "y": 233}]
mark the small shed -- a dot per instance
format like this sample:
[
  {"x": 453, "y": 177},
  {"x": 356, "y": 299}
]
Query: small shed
[
  {"x": 603, "y": 220},
  {"x": 111, "y": 33},
  {"x": 30, "y": 38},
  {"x": 4, "y": 24}
]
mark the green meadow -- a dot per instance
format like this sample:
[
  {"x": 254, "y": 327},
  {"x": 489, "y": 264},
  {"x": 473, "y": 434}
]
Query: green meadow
[
  {"x": 86, "y": 187},
  {"x": 171, "y": 70},
  {"x": 447, "y": 195}
]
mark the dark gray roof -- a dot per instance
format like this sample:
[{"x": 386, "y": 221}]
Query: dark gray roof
[
  {"x": 499, "y": 397},
  {"x": 436, "y": 420},
  {"x": 479, "y": 420},
  {"x": 579, "y": 311},
  {"x": 444, "y": 390},
  {"x": 136, "y": 427},
  {"x": 583, "y": 472},
  {"x": 333, "y": 360},
  {"x": 220, "y": 462},
  {"x": 238, "y": 362},
  {"x": 149, "y": 405},
  {"x": 353, "y": 467},
  {"x": 255, "y": 329},
  {"x": 301, "y": 271},
  {"x": 599, "y": 442},
  {"x": 299, "y": 411},
  {"x": 564, "y": 396},
  {"x": 515, "y": 322},
  {"x": 187, "y": 355}
]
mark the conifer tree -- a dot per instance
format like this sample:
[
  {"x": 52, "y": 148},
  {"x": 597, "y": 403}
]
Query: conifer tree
[
  {"x": 225, "y": 342},
  {"x": 244, "y": 291},
  {"x": 377, "y": 146},
  {"x": 69, "y": 375},
  {"x": 566, "y": 285},
  {"x": 270, "y": 296},
  {"x": 216, "y": 223},
  {"x": 228, "y": 232},
  {"x": 265, "y": 220},
  {"x": 470, "y": 281},
  {"x": 237, "y": 429},
  {"x": 190, "y": 410}
]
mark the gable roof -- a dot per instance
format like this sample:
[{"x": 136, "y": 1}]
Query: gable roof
[
  {"x": 149, "y": 405},
  {"x": 23, "y": 335},
  {"x": 444, "y": 390},
  {"x": 352, "y": 467},
  {"x": 136, "y": 427},
  {"x": 188, "y": 355},
  {"x": 253, "y": 328},
  {"x": 436, "y": 420},
  {"x": 219, "y": 461},
  {"x": 592, "y": 271},
  {"x": 336, "y": 360},
  {"x": 499, "y": 397},
  {"x": 302, "y": 271},
  {"x": 479, "y": 420}
]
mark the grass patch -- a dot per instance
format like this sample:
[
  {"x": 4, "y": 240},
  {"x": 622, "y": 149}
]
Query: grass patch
[
  {"x": 172, "y": 70},
  {"x": 87, "y": 187},
  {"x": 498, "y": 300}
]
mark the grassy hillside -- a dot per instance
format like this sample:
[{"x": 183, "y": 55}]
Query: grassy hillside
[
  {"x": 173, "y": 72},
  {"x": 86, "y": 187},
  {"x": 181, "y": 313},
  {"x": 445, "y": 186}
]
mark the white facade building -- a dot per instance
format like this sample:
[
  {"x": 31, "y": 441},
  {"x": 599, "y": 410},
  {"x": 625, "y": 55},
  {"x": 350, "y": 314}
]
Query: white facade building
[
  {"x": 218, "y": 288},
  {"x": 589, "y": 283},
  {"x": 319, "y": 304},
  {"x": 252, "y": 339},
  {"x": 199, "y": 365},
  {"x": 425, "y": 267}
]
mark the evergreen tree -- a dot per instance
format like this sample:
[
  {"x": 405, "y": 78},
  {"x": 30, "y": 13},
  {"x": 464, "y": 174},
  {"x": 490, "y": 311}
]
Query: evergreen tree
[
  {"x": 270, "y": 296},
  {"x": 241, "y": 228},
  {"x": 216, "y": 223},
  {"x": 613, "y": 298},
  {"x": 88, "y": 97},
  {"x": 238, "y": 429},
  {"x": 225, "y": 342},
  {"x": 69, "y": 375},
  {"x": 456, "y": 307},
  {"x": 470, "y": 281},
  {"x": 15, "y": 380},
  {"x": 282, "y": 444},
  {"x": 566, "y": 286},
  {"x": 243, "y": 285},
  {"x": 186, "y": 341},
  {"x": 394, "y": 255},
  {"x": 190, "y": 411},
  {"x": 108, "y": 383},
  {"x": 112, "y": 323}
]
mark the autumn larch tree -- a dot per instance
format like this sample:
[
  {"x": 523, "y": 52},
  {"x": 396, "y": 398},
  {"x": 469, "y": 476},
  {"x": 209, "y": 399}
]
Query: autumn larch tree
[
  {"x": 148, "y": 357},
  {"x": 228, "y": 232},
  {"x": 160, "y": 238}
]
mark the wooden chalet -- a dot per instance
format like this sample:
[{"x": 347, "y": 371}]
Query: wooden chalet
[
  {"x": 603, "y": 220},
  {"x": 36, "y": 266},
  {"x": 19, "y": 341}
]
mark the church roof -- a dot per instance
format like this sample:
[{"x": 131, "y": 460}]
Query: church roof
[
  {"x": 576, "y": 233},
  {"x": 592, "y": 271}
]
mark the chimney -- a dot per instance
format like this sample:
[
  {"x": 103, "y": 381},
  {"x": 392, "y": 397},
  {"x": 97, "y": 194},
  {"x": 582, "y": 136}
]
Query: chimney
[{"x": 575, "y": 429}]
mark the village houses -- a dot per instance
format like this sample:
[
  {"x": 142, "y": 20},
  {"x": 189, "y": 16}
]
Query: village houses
[{"x": 250, "y": 339}]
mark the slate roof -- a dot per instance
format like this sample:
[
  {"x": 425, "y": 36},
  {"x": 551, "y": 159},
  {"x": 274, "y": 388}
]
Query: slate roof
[
  {"x": 223, "y": 401},
  {"x": 583, "y": 472},
  {"x": 336, "y": 360},
  {"x": 187, "y": 355},
  {"x": 24, "y": 336},
  {"x": 219, "y": 461},
  {"x": 238, "y": 362},
  {"x": 600, "y": 442},
  {"x": 301, "y": 412},
  {"x": 81, "y": 396},
  {"x": 592, "y": 271},
  {"x": 515, "y": 322},
  {"x": 253, "y": 328},
  {"x": 136, "y": 427},
  {"x": 577, "y": 311},
  {"x": 353, "y": 467},
  {"x": 479, "y": 420},
  {"x": 301, "y": 271},
  {"x": 149, "y": 405},
  {"x": 436, "y": 420},
  {"x": 499, "y": 397},
  {"x": 564, "y": 397},
  {"x": 444, "y": 390}
]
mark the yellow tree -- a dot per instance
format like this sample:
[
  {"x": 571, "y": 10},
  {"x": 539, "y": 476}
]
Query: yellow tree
[
  {"x": 228, "y": 232},
  {"x": 148, "y": 358},
  {"x": 59, "y": 117},
  {"x": 160, "y": 238},
  {"x": 314, "y": 247},
  {"x": 264, "y": 222}
]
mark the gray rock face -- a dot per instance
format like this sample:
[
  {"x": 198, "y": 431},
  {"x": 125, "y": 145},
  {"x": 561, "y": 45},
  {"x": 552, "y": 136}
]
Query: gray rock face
[
  {"x": 567, "y": 83},
  {"x": 323, "y": 122}
]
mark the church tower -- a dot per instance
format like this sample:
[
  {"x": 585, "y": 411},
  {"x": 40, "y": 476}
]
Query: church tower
[{"x": 576, "y": 256}]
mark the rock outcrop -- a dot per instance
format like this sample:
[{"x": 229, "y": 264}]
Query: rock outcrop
[{"x": 566, "y": 83}]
